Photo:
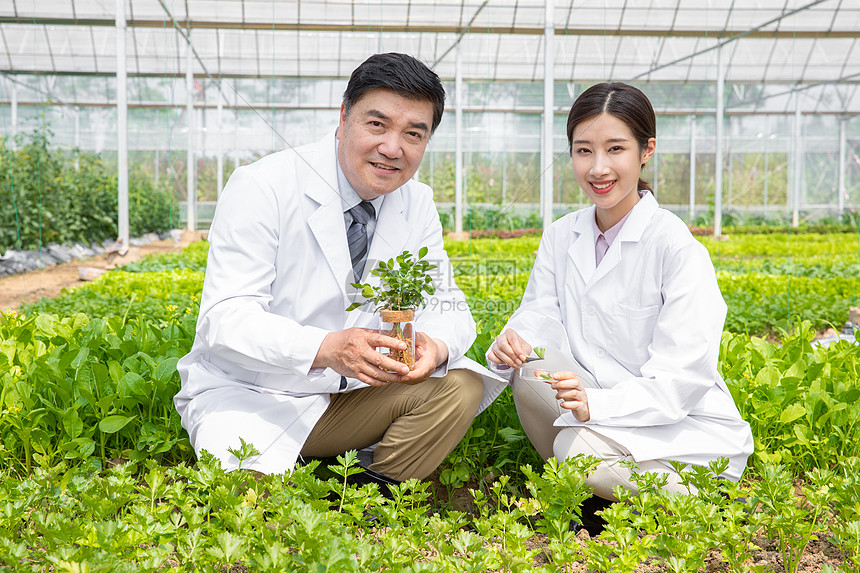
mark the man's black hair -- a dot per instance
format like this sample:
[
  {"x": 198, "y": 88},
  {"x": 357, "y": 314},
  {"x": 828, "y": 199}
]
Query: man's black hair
[{"x": 400, "y": 73}]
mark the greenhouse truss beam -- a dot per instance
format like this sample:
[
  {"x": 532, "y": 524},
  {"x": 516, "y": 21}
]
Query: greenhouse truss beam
[
  {"x": 735, "y": 37},
  {"x": 655, "y": 31},
  {"x": 531, "y": 110}
]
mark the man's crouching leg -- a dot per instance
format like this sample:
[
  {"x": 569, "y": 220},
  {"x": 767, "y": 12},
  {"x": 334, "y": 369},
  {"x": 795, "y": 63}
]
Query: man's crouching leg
[
  {"x": 428, "y": 421},
  {"x": 414, "y": 426}
]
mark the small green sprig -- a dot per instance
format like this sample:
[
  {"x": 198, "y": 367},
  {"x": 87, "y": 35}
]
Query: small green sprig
[{"x": 403, "y": 282}]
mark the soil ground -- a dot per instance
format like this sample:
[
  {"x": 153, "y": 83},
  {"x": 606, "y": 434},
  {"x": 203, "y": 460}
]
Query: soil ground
[{"x": 30, "y": 287}]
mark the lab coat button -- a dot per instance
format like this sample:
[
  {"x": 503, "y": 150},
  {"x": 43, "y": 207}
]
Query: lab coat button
[
  {"x": 590, "y": 310},
  {"x": 601, "y": 353}
]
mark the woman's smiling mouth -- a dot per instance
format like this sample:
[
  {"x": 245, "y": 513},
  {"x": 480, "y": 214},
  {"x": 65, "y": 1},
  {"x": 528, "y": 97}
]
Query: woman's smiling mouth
[{"x": 602, "y": 187}]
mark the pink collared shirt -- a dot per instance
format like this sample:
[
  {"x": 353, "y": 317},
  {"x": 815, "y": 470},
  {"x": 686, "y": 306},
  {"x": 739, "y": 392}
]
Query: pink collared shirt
[{"x": 604, "y": 240}]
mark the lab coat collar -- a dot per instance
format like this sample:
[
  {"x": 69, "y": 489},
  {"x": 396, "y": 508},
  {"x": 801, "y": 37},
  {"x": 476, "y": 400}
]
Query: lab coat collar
[
  {"x": 637, "y": 222},
  {"x": 326, "y": 222},
  {"x": 581, "y": 251}
]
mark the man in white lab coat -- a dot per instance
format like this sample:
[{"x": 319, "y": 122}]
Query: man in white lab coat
[{"x": 277, "y": 361}]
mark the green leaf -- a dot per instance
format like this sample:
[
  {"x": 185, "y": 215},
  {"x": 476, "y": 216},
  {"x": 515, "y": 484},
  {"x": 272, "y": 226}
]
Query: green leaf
[
  {"x": 792, "y": 413},
  {"x": 45, "y": 323},
  {"x": 115, "y": 423},
  {"x": 165, "y": 369},
  {"x": 81, "y": 357},
  {"x": 72, "y": 423},
  {"x": 132, "y": 383},
  {"x": 115, "y": 371},
  {"x": 422, "y": 252}
]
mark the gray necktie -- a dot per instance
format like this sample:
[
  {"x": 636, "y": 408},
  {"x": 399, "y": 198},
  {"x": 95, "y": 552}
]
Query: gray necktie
[{"x": 356, "y": 236}]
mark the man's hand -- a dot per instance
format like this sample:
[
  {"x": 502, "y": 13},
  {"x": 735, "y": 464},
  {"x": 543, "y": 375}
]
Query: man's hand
[
  {"x": 571, "y": 391},
  {"x": 352, "y": 353},
  {"x": 509, "y": 348},
  {"x": 430, "y": 353}
]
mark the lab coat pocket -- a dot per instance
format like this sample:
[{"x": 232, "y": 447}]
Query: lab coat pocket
[{"x": 634, "y": 331}]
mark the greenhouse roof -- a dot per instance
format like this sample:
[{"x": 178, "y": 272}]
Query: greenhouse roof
[{"x": 766, "y": 41}]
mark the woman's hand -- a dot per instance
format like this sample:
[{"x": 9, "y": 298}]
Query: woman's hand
[
  {"x": 509, "y": 348},
  {"x": 570, "y": 390}
]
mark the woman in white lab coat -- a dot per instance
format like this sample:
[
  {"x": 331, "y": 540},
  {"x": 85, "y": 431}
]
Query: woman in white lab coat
[{"x": 626, "y": 303}]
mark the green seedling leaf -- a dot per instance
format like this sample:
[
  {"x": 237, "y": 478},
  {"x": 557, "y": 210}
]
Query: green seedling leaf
[
  {"x": 403, "y": 283},
  {"x": 540, "y": 351},
  {"x": 245, "y": 451}
]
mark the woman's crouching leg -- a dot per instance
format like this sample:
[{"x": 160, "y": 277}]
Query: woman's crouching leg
[{"x": 610, "y": 472}]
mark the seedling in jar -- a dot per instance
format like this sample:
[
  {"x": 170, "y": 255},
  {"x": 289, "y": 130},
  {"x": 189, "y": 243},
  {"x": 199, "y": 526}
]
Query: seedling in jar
[{"x": 403, "y": 282}]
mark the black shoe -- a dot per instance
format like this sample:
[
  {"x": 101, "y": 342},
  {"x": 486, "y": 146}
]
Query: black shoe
[
  {"x": 368, "y": 476},
  {"x": 593, "y": 524}
]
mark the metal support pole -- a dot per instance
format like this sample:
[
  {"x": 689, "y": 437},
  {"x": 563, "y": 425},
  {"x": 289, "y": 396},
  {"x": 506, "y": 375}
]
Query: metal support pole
[
  {"x": 766, "y": 178},
  {"x": 718, "y": 153},
  {"x": 77, "y": 138},
  {"x": 548, "y": 104},
  {"x": 798, "y": 169},
  {"x": 13, "y": 89},
  {"x": 843, "y": 167},
  {"x": 505, "y": 178},
  {"x": 219, "y": 144},
  {"x": 692, "y": 168},
  {"x": 731, "y": 169},
  {"x": 458, "y": 153},
  {"x": 121, "y": 125},
  {"x": 191, "y": 194}
]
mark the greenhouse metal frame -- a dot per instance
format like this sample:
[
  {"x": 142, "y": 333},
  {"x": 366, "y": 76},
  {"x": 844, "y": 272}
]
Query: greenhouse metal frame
[{"x": 751, "y": 82}]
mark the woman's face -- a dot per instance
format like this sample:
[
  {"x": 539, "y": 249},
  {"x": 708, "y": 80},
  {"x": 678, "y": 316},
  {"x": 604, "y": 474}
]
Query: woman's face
[{"x": 607, "y": 161}]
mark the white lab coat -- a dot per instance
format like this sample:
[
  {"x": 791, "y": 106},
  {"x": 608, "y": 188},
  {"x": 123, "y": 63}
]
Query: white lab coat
[
  {"x": 646, "y": 323},
  {"x": 277, "y": 281}
]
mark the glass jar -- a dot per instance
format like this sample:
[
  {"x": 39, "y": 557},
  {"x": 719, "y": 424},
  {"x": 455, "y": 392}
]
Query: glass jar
[{"x": 399, "y": 324}]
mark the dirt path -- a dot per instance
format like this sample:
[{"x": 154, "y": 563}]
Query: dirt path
[{"x": 32, "y": 286}]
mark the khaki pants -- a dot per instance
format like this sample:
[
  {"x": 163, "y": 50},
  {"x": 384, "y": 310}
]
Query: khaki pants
[
  {"x": 414, "y": 427},
  {"x": 538, "y": 408}
]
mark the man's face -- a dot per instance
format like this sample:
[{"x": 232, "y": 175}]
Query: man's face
[{"x": 382, "y": 141}]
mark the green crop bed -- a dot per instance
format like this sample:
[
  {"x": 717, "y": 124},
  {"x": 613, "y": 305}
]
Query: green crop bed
[{"x": 96, "y": 473}]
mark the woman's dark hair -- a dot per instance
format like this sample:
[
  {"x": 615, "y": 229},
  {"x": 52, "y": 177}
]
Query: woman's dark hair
[
  {"x": 621, "y": 100},
  {"x": 400, "y": 73}
]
